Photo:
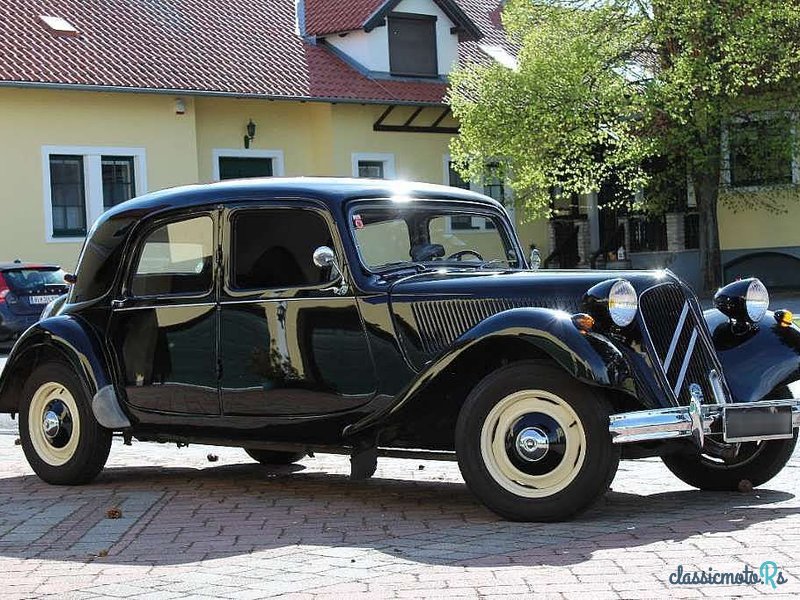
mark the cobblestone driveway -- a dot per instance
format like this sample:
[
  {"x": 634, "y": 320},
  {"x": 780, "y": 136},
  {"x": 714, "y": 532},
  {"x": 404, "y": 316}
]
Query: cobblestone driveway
[{"x": 235, "y": 529}]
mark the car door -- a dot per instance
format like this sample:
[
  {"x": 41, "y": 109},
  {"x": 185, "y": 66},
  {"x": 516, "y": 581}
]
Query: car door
[
  {"x": 164, "y": 322},
  {"x": 291, "y": 342}
]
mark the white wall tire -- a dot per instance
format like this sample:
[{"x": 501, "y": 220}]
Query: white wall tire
[
  {"x": 61, "y": 439},
  {"x": 533, "y": 445}
]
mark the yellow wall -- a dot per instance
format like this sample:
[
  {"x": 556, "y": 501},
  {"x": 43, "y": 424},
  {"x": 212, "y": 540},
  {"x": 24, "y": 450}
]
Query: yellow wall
[
  {"x": 30, "y": 119},
  {"x": 315, "y": 138},
  {"x": 745, "y": 223},
  {"x": 418, "y": 156},
  {"x": 300, "y": 130}
]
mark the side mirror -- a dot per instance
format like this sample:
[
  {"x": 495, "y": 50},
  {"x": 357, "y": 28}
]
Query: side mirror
[{"x": 325, "y": 257}]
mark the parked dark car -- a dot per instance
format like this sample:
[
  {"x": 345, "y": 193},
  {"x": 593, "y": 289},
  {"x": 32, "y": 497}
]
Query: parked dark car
[
  {"x": 25, "y": 290},
  {"x": 373, "y": 318}
]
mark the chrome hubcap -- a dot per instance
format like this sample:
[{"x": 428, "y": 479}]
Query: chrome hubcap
[
  {"x": 532, "y": 444},
  {"x": 51, "y": 424}
]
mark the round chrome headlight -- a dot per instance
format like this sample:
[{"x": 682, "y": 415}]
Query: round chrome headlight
[
  {"x": 744, "y": 301},
  {"x": 756, "y": 300},
  {"x": 622, "y": 303}
]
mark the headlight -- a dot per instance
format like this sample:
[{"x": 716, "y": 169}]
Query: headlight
[
  {"x": 622, "y": 303},
  {"x": 612, "y": 302},
  {"x": 756, "y": 300},
  {"x": 743, "y": 301}
]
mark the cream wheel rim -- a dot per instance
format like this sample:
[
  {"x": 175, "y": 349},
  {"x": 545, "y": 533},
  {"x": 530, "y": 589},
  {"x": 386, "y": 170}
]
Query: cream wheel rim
[
  {"x": 533, "y": 443},
  {"x": 54, "y": 423}
]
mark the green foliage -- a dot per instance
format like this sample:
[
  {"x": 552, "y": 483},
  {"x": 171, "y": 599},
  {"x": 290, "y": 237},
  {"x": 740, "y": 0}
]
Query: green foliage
[{"x": 634, "y": 90}]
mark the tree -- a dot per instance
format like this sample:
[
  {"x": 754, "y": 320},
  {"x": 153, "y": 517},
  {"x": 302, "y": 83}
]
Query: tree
[{"x": 637, "y": 90}]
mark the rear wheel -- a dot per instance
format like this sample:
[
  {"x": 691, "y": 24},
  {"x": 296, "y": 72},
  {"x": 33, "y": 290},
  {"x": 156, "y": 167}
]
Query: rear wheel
[
  {"x": 533, "y": 444},
  {"x": 274, "y": 457},
  {"x": 62, "y": 441},
  {"x": 756, "y": 462}
]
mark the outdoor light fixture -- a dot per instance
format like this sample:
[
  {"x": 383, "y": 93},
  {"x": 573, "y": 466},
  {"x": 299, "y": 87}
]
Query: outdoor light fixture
[{"x": 251, "y": 133}]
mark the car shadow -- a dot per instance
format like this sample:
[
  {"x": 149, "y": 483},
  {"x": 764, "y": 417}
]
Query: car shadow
[{"x": 174, "y": 516}]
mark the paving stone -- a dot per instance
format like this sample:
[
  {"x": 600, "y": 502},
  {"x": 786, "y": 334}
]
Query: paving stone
[{"x": 239, "y": 531}]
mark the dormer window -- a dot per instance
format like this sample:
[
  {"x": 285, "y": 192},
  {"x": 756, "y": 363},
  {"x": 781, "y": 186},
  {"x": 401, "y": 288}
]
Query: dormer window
[{"x": 412, "y": 45}]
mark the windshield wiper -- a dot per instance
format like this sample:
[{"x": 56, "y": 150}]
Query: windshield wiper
[
  {"x": 404, "y": 264},
  {"x": 498, "y": 262}
]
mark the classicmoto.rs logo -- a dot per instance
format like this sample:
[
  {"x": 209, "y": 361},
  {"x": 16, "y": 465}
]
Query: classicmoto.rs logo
[{"x": 768, "y": 573}]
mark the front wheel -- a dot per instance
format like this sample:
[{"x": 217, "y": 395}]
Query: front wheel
[
  {"x": 533, "y": 444},
  {"x": 62, "y": 441},
  {"x": 756, "y": 462}
]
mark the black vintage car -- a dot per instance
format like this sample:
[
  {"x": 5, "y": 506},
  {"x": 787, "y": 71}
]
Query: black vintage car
[{"x": 373, "y": 318}]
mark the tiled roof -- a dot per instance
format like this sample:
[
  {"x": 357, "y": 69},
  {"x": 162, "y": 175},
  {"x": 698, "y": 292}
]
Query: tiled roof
[
  {"x": 331, "y": 16},
  {"x": 246, "y": 47}
]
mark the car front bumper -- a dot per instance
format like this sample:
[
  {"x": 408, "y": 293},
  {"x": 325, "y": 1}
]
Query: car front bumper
[{"x": 698, "y": 420}]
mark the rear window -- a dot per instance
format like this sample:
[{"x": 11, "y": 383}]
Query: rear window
[{"x": 24, "y": 280}]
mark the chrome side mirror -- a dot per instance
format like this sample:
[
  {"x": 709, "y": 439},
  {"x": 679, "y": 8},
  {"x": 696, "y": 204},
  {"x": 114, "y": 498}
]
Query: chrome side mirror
[{"x": 325, "y": 257}]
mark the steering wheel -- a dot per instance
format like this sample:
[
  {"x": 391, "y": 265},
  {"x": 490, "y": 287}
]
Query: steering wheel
[{"x": 460, "y": 253}]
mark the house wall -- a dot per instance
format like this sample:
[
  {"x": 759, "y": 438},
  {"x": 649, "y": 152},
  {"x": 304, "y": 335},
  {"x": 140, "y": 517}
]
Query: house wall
[
  {"x": 753, "y": 227},
  {"x": 312, "y": 138},
  {"x": 32, "y": 119},
  {"x": 301, "y": 131}
]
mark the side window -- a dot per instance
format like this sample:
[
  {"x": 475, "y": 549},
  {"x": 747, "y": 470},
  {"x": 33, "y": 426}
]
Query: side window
[
  {"x": 176, "y": 259},
  {"x": 274, "y": 248}
]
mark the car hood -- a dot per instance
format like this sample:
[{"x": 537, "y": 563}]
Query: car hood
[
  {"x": 431, "y": 310},
  {"x": 549, "y": 289}
]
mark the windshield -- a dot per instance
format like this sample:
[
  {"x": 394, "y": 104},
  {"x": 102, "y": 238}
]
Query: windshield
[{"x": 393, "y": 235}]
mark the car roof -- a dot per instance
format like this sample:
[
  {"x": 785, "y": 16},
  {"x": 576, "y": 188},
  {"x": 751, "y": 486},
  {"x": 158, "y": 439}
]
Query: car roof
[
  {"x": 102, "y": 253},
  {"x": 330, "y": 190}
]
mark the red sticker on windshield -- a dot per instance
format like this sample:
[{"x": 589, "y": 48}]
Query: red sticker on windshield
[{"x": 357, "y": 222}]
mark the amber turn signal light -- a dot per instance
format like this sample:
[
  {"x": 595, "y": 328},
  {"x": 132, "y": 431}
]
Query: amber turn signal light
[
  {"x": 583, "y": 321},
  {"x": 784, "y": 317}
]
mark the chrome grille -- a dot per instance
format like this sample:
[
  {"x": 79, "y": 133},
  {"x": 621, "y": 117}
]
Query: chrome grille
[
  {"x": 678, "y": 345},
  {"x": 442, "y": 322}
]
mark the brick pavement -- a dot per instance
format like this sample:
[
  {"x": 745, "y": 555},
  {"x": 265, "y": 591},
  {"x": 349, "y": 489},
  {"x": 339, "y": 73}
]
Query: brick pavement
[{"x": 236, "y": 530}]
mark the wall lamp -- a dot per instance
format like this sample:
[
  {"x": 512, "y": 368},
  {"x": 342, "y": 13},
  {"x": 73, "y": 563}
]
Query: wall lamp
[{"x": 251, "y": 133}]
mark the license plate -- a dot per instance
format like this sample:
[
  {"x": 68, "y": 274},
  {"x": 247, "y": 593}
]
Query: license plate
[
  {"x": 41, "y": 299},
  {"x": 750, "y": 424}
]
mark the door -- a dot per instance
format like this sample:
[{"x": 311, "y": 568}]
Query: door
[
  {"x": 164, "y": 324},
  {"x": 239, "y": 167},
  {"x": 289, "y": 344}
]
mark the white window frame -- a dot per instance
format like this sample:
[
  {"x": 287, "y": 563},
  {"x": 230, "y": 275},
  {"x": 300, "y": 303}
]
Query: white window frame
[
  {"x": 93, "y": 181},
  {"x": 382, "y": 157},
  {"x": 275, "y": 155},
  {"x": 725, "y": 173},
  {"x": 479, "y": 189}
]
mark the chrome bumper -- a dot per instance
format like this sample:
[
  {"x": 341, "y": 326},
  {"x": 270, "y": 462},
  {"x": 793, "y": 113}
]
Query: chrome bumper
[{"x": 693, "y": 421}]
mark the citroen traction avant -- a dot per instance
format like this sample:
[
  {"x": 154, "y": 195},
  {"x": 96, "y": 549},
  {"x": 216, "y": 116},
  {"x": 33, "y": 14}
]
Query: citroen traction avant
[{"x": 375, "y": 318}]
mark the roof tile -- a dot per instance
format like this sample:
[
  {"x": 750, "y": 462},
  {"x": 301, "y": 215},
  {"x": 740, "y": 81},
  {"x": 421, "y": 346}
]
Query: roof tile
[
  {"x": 248, "y": 47},
  {"x": 333, "y": 16}
]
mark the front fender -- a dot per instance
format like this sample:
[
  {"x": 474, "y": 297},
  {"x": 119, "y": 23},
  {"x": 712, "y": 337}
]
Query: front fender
[
  {"x": 64, "y": 337},
  {"x": 758, "y": 361},
  {"x": 590, "y": 358}
]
